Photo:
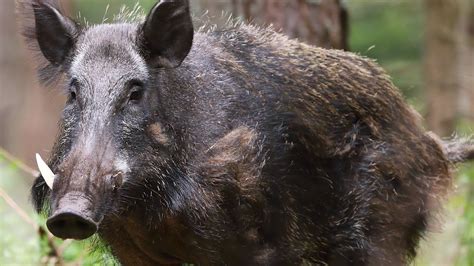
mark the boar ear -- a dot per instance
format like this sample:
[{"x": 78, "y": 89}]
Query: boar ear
[
  {"x": 54, "y": 32},
  {"x": 167, "y": 34}
]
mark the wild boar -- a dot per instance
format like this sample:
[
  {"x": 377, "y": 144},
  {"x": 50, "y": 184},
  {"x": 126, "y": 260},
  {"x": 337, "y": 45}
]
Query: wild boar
[{"x": 232, "y": 145}]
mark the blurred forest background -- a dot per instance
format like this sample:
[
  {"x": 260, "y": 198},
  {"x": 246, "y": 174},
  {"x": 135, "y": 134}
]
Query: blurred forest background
[{"x": 426, "y": 46}]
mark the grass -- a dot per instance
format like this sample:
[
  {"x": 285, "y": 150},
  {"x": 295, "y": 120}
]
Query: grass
[
  {"x": 453, "y": 244},
  {"x": 18, "y": 241},
  {"x": 21, "y": 240}
]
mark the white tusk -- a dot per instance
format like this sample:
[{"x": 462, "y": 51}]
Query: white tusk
[{"x": 45, "y": 171}]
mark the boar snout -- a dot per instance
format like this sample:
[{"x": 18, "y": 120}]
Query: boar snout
[{"x": 73, "y": 218}]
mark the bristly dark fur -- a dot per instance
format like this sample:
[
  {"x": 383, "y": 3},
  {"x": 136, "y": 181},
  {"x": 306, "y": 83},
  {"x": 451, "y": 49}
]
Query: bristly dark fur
[
  {"x": 251, "y": 149},
  {"x": 48, "y": 73}
]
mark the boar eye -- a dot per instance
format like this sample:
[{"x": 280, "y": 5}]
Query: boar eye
[
  {"x": 72, "y": 90},
  {"x": 136, "y": 92},
  {"x": 136, "y": 96}
]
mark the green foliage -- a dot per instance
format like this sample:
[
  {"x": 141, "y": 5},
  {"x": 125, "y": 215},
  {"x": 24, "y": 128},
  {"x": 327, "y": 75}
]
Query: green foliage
[
  {"x": 17, "y": 238},
  {"x": 453, "y": 242},
  {"x": 96, "y": 11},
  {"x": 22, "y": 242},
  {"x": 17, "y": 241},
  {"x": 391, "y": 33},
  {"x": 467, "y": 239}
]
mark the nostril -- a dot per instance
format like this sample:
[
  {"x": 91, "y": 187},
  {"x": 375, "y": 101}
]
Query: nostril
[
  {"x": 60, "y": 223},
  {"x": 81, "y": 225},
  {"x": 71, "y": 225}
]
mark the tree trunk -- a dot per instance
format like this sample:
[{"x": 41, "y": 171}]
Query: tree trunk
[
  {"x": 322, "y": 23},
  {"x": 448, "y": 63},
  {"x": 466, "y": 51}
]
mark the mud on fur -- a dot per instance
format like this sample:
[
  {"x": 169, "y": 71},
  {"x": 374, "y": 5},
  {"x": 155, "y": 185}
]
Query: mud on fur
[{"x": 234, "y": 145}]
